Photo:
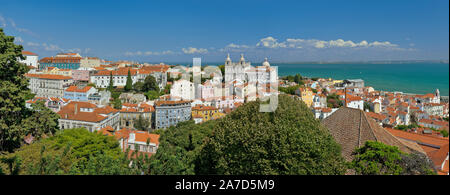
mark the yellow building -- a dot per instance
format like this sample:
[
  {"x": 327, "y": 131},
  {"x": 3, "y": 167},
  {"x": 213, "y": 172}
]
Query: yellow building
[
  {"x": 57, "y": 71},
  {"x": 205, "y": 113},
  {"x": 306, "y": 95}
]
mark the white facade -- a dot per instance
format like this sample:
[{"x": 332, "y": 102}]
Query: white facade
[
  {"x": 30, "y": 59},
  {"x": 183, "y": 89},
  {"x": 102, "y": 81}
]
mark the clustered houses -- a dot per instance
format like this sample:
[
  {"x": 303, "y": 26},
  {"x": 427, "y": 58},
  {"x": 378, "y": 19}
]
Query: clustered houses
[
  {"x": 101, "y": 79},
  {"x": 131, "y": 112},
  {"x": 87, "y": 115}
]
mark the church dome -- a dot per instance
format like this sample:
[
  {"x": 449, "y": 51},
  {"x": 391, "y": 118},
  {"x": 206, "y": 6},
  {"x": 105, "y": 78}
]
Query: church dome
[{"x": 266, "y": 62}]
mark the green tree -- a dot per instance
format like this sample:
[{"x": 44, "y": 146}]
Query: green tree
[
  {"x": 298, "y": 79},
  {"x": 42, "y": 121},
  {"x": 376, "y": 158},
  {"x": 138, "y": 86},
  {"x": 129, "y": 84},
  {"x": 111, "y": 82},
  {"x": 152, "y": 95},
  {"x": 179, "y": 148},
  {"x": 13, "y": 93},
  {"x": 72, "y": 151},
  {"x": 150, "y": 84},
  {"x": 141, "y": 124},
  {"x": 117, "y": 104},
  {"x": 287, "y": 141}
]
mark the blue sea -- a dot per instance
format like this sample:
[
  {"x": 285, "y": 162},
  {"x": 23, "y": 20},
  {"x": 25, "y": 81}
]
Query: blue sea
[
  {"x": 417, "y": 78},
  {"x": 414, "y": 77}
]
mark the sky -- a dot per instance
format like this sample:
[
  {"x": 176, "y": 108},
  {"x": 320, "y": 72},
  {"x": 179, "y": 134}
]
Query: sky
[{"x": 283, "y": 31}]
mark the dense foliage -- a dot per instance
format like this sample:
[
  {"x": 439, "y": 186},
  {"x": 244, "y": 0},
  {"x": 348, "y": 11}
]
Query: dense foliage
[
  {"x": 13, "y": 92},
  {"x": 289, "y": 90},
  {"x": 42, "y": 121},
  {"x": 179, "y": 148},
  {"x": 376, "y": 158},
  {"x": 71, "y": 151},
  {"x": 287, "y": 141}
]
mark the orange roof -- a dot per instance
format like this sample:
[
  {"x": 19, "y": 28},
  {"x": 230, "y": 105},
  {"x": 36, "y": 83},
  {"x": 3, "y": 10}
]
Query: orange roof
[
  {"x": 420, "y": 138},
  {"x": 121, "y": 72},
  {"x": 377, "y": 116},
  {"x": 169, "y": 102},
  {"x": 28, "y": 53},
  {"x": 74, "y": 88},
  {"x": 203, "y": 108},
  {"x": 72, "y": 112},
  {"x": 351, "y": 98},
  {"x": 49, "y": 76}
]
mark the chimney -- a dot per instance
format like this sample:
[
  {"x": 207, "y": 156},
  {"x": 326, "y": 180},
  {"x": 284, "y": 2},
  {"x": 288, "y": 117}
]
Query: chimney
[
  {"x": 76, "y": 108},
  {"x": 345, "y": 97}
]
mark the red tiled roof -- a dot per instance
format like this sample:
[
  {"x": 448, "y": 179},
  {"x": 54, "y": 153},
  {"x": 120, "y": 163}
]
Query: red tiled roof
[
  {"x": 69, "y": 112},
  {"x": 49, "y": 76},
  {"x": 74, "y": 88},
  {"x": 28, "y": 53}
]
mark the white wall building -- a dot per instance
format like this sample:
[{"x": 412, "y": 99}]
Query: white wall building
[
  {"x": 31, "y": 59},
  {"x": 183, "y": 90}
]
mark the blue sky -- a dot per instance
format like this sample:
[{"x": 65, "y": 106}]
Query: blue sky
[{"x": 283, "y": 31}]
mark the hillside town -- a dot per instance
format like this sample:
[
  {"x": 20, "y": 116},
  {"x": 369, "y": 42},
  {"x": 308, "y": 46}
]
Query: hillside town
[{"x": 108, "y": 97}]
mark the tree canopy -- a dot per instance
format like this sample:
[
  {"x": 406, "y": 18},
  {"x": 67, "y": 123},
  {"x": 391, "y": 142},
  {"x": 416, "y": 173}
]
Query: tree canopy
[
  {"x": 376, "y": 158},
  {"x": 13, "y": 93},
  {"x": 287, "y": 141}
]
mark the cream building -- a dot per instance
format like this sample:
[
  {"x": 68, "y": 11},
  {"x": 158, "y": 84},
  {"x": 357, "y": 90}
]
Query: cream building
[
  {"x": 47, "y": 85},
  {"x": 89, "y": 62}
]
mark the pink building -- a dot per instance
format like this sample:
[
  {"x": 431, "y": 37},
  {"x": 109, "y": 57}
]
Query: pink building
[{"x": 81, "y": 75}]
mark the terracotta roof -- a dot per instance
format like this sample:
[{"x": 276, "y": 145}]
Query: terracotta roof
[
  {"x": 49, "y": 76},
  {"x": 351, "y": 128},
  {"x": 70, "y": 113},
  {"x": 439, "y": 156},
  {"x": 376, "y": 116},
  {"x": 120, "y": 72},
  {"x": 28, "y": 53},
  {"x": 163, "y": 103},
  {"x": 74, "y": 88},
  {"x": 203, "y": 108},
  {"x": 421, "y": 139}
]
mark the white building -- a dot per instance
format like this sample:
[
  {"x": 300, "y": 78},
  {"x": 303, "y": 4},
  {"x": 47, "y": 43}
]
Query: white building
[
  {"x": 47, "y": 85},
  {"x": 87, "y": 115},
  {"x": 243, "y": 71},
  {"x": 101, "y": 79},
  {"x": 31, "y": 59},
  {"x": 183, "y": 90}
]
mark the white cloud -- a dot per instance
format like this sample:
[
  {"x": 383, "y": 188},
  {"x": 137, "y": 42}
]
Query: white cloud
[
  {"x": 270, "y": 42},
  {"x": 193, "y": 50}
]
